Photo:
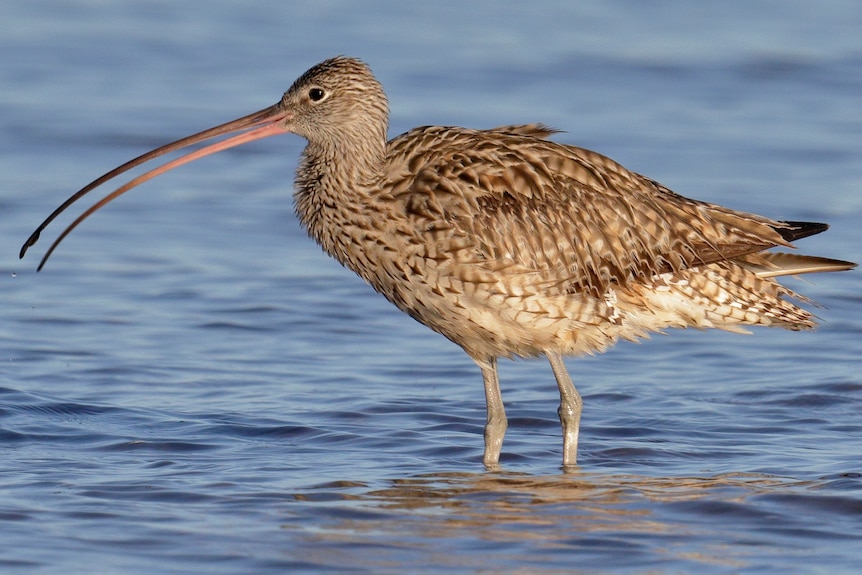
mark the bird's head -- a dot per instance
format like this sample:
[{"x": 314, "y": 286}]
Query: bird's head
[
  {"x": 335, "y": 100},
  {"x": 337, "y": 104}
]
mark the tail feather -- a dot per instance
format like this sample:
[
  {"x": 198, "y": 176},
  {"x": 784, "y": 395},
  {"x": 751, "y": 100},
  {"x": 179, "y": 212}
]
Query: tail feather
[{"x": 769, "y": 265}]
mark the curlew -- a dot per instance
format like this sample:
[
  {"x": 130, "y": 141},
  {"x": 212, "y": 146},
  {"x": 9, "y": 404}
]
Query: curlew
[{"x": 507, "y": 243}]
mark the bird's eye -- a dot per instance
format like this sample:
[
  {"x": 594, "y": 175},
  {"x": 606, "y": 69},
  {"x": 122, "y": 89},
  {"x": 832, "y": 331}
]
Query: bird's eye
[{"x": 316, "y": 94}]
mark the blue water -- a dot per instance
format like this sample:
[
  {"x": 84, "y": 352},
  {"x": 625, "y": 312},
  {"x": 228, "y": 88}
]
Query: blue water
[{"x": 192, "y": 387}]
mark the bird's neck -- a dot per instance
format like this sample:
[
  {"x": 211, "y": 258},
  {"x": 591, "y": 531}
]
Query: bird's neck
[{"x": 335, "y": 193}]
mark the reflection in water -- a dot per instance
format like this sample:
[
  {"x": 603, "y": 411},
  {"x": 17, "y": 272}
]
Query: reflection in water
[{"x": 586, "y": 519}]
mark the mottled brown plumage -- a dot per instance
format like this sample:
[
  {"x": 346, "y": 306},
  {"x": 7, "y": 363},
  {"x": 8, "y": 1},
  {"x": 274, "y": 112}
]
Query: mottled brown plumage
[{"x": 507, "y": 243}]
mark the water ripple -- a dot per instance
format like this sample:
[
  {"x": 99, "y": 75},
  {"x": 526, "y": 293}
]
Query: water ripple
[{"x": 191, "y": 386}]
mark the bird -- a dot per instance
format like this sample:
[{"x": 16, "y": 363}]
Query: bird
[{"x": 507, "y": 243}]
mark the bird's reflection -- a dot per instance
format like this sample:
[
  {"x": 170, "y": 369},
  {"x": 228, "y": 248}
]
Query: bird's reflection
[{"x": 625, "y": 519}]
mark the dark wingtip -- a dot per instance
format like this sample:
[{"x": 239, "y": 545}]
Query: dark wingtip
[{"x": 798, "y": 230}]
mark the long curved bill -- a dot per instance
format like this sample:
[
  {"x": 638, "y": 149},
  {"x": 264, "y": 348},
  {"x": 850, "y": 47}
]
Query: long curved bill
[{"x": 268, "y": 122}]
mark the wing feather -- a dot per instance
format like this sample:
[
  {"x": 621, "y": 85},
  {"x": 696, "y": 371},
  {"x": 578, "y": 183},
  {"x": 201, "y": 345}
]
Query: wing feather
[{"x": 559, "y": 215}]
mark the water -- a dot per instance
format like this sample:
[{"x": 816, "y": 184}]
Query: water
[{"x": 191, "y": 386}]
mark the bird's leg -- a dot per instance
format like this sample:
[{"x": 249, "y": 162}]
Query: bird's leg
[
  {"x": 570, "y": 409},
  {"x": 496, "y": 424}
]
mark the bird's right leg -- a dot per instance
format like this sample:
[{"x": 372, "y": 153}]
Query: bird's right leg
[
  {"x": 496, "y": 424},
  {"x": 570, "y": 409}
]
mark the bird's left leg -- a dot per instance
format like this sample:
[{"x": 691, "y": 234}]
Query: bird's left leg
[
  {"x": 496, "y": 424},
  {"x": 570, "y": 409}
]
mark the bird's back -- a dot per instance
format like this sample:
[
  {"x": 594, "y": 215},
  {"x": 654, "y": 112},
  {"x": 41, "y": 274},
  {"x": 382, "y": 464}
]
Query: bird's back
[{"x": 510, "y": 244}]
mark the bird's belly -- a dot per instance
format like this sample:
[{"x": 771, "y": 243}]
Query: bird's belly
[
  {"x": 497, "y": 319},
  {"x": 490, "y": 321}
]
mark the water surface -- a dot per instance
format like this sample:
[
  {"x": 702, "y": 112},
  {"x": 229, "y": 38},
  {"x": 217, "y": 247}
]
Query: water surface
[{"x": 191, "y": 386}]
